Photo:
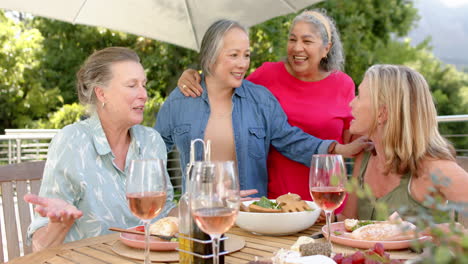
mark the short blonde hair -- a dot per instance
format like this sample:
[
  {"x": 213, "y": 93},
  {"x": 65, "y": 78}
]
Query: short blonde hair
[
  {"x": 410, "y": 133},
  {"x": 96, "y": 70}
]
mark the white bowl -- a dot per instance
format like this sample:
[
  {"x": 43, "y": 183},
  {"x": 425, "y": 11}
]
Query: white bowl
[{"x": 277, "y": 224}]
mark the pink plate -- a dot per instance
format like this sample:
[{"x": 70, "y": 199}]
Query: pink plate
[
  {"x": 339, "y": 239},
  {"x": 138, "y": 241}
]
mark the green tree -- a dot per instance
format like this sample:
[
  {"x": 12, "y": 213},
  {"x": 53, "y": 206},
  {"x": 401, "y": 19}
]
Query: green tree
[
  {"x": 368, "y": 29},
  {"x": 448, "y": 87},
  {"x": 22, "y": 97},
  {"x": 66, "y": 46}
]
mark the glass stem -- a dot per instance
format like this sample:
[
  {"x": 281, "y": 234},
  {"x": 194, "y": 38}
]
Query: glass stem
[
  {"x": 147, "y": 235},
  {"x": 328, "y": 215},
  {"x": 215, "y": 239}
]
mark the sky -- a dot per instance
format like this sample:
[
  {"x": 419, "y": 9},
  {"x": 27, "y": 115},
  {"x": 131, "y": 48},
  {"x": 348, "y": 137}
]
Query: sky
[{"x": 454, "y": 3}]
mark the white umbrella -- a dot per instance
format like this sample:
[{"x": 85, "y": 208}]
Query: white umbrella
[{"x": 181, "y": 22}]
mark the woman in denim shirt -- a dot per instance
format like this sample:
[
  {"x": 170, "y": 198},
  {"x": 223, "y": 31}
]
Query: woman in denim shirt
[{"x": 240, "y": 118}]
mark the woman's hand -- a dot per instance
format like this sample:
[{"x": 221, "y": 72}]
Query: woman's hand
[
  {"x": 189, "y": 83},
  {"x": 354, "y": 148},
  {"x": 245, "y": 193},
  {"x": 61, "y": 216},
  {"x": 56, "y": 210}
]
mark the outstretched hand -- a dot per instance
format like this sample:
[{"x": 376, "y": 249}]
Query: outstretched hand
[
  {"x": 57, "y": 210},
  {"x": 189, "y": 83}
]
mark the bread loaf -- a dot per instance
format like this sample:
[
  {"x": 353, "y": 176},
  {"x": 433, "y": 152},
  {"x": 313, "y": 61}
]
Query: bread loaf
[
  {"x": 385, "y": 231},
  {"x": 167, "y": 226}
]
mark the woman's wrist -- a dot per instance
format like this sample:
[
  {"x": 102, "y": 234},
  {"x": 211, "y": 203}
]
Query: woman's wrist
[{"x": 332, "y": 147}]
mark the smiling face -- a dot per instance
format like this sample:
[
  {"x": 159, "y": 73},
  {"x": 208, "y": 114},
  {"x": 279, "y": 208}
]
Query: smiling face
[
  {"x": 362, "y": 111},
  {"x": 233, "y": 59},
  {"x": 125, "y": 94},
  {"x": 305, "y": 49}
]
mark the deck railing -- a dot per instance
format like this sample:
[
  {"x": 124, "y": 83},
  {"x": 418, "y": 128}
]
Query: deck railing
[{"x": 19, "y": 145}]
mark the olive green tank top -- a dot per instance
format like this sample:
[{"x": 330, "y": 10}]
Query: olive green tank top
[{"x": 399, "y": 199}]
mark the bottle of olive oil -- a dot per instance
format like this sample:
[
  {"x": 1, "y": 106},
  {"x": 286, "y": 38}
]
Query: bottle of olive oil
[{"x": 188, "y": 229}]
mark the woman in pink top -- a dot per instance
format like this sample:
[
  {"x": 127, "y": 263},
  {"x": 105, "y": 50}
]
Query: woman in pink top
[{"x": 310, "y": 87}]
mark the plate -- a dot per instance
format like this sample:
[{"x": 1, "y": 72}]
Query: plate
[
  {"x": 339, "y": 226},
  {"x": 138, "y": 241},
  {"x": 232, "y": 244}
]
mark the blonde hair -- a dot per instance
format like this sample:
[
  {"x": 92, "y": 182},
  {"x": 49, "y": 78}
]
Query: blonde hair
[
  {"x": 96, "y": 71},
  {"x": 410, "y": 133}
]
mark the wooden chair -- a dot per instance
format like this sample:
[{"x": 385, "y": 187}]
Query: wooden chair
[
  {"x": 16, "y": 180},
  {"x": 463, "y": 162}
]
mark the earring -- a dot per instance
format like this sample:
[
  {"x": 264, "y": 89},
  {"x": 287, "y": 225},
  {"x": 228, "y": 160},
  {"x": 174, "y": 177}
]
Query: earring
[{"x": 103, "y": 104}]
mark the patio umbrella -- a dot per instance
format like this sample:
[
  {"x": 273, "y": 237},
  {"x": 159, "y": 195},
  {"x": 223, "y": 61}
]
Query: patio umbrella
[{"x": 180, "y": 22}]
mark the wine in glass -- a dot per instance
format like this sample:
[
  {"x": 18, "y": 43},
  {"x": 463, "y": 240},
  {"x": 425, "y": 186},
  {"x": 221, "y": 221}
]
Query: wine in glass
[
  {"x": 215, "y": 203},
  {"x": 327, "y": 181},
  {"x": 146, "y": 192}
]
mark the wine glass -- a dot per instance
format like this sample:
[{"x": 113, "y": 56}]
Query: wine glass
[
  {"x": 146, "y": 192},
  {"x": 327, "y": 181},
  {"x": 215, "y": 200}
]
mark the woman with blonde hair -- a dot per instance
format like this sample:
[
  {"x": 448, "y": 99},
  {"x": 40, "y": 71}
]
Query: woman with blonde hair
[{"x": 396, "y": 111}]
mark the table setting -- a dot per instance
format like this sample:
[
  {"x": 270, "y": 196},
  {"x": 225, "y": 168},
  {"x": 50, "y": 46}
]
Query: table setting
[
  {"x": 211, "y": 207},
  {"x": 215, "y": 226}
]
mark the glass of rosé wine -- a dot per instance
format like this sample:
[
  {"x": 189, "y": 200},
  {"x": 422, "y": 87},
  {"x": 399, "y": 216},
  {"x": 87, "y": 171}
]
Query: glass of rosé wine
[
  {"x": 327, "y": 181},
  {"x": 215, "y": 201},
  {"x": 146, "y": 192}
]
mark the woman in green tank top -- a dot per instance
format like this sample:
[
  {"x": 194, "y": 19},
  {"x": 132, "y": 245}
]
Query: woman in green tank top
[{"x": 395, "y": 110}]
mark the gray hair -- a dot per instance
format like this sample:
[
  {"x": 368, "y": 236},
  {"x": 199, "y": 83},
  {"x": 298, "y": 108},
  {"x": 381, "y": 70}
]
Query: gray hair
[
  {"x": 96, "y": 71},
  {"x": 335, "y": 58},
  {"x": 213, "y": 42}
]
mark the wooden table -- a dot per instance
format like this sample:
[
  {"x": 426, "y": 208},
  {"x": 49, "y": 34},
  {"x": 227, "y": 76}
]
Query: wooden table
[{"x": 98, "y": 249}]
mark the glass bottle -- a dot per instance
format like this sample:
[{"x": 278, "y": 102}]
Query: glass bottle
[{"x": 188, "y": 229}]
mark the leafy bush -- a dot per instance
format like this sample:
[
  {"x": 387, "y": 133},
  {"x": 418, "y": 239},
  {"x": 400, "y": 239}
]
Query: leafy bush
[{"x": 66, "y": 115}]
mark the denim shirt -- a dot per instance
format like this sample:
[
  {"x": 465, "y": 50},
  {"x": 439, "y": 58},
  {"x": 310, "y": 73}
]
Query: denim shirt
[{"x": 258, "y": 121}]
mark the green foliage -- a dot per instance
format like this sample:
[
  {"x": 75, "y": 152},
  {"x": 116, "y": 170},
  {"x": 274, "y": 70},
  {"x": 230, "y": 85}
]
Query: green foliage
[
  {"x": 268, "y": 40},
  {"x": 22, "y": 97},
  {"x": 66, "y": 115},
  {"x": 66, "y": 46},
  {"x": 367, "y": 27},
  {"x": 449, "y": 89},
  {"x": 151, "y": 107}
]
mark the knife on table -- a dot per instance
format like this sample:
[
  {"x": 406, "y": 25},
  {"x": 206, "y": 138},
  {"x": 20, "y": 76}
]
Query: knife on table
[{"x": 122, "y": 230}]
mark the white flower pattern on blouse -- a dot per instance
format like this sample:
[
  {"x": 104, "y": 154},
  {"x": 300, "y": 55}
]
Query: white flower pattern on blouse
[{"x": 81, "y": 171}]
